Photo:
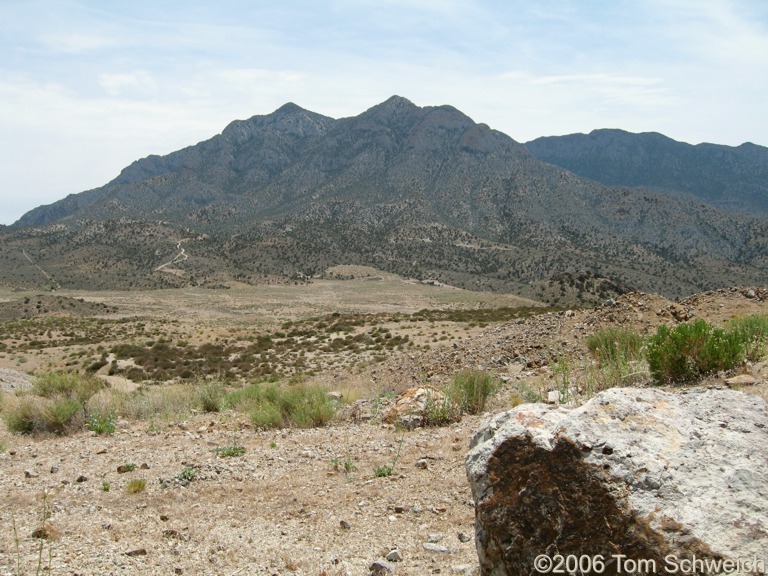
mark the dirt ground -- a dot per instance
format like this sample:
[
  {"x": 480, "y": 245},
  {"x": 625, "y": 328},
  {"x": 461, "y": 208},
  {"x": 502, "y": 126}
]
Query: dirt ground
[{"x": 302, "y": 502}]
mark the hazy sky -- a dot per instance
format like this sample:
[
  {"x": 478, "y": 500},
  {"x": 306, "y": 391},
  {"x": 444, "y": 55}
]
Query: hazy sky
[{"x": 88, "y": 86}]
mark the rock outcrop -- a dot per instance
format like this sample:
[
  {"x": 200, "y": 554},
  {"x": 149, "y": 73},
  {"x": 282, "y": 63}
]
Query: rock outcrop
[
  {"x": 634, "y": 474},
  {"x": 419, "y": 406}
]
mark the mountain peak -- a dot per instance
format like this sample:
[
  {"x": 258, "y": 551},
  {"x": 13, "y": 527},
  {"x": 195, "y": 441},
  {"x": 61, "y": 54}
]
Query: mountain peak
[
  {"x": 397, "y": 101},
  {"x": 289, "y": 108}
]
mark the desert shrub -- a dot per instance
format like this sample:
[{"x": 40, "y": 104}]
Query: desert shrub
[
  {"x": 136, "y": 486},
  {"x": 101, "y": 424},
  {"x": 168, "y": 401},
  {"x": 614, "y": 345},
  {"x": 56, "y": 404},
  {"x": 752, "y": 332},
  {"x": 273, "y": 406},
  {"x": 211, "y": 396},
  {"x": 619, "y": 354},
  {"x": 231, "y": 451},
  {"x": 471, "y": 390},
  {"x": 21, "y": 415},
  {"x": 62, "y": 415},
  {"x": 267, "y": 415},
  {"x": 29, "y": 415},
  {"x": 442, "y": 410},
  {"x": 692, "y": 350},
  {"x": 68, "y": 385}
]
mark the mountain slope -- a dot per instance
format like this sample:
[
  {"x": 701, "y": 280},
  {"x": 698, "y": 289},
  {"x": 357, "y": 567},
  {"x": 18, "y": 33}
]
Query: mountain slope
[
  {"x": 423, "y": 192},
  {"x": 734, "y": 178}
]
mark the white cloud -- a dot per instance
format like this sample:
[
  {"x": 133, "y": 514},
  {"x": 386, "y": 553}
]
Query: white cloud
[
  {"x": 75, "y": 44},
  {"x": 139, "y": 81}
]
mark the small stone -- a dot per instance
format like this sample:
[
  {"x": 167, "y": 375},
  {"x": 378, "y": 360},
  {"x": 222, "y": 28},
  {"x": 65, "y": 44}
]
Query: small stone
[
  {"x": 423, "y": 464},
  {"x": 54, "y": 469},
  {"x": 345, "y": 525},
  {"x": 742, "y": 380},
  {"x": 144, "y": 466},
  {"x": 400, "y": 509},
  {"x": 175, "y": 535},
  {"x": 432, "y": 547},
  {"x": 750, "y": 293},
  {"x": 463, "y": 537},
  {"x": 30, "y": 474},
  {"x": 164, "y": 518},
  {"x": 395, "y": 556},
  {"x": 123, "y": 468},
  {"x": 381, "y": 567},
  {"x": 553, "y": 397},
  {"x": 436, "y": 537},
  {"x": 81, "y": 479},
  {"x": 137, "y": 552},
  {"x": 466, "y": 570}
]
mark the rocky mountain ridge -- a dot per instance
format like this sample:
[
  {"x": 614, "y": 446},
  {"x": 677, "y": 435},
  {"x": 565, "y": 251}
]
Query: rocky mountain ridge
[
  {"x": 423, "y": 192},
  {"x": 729, "y": 177}
]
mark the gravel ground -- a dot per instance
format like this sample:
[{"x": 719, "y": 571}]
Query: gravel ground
[
  {"x": 12, "y": 381},
  {"x": 281, "y": 508}
]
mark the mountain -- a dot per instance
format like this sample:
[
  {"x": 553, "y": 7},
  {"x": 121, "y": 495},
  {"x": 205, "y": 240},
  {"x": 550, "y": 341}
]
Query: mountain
[
  {"x": 734, "y": 178},
  {"x": 424, "y": 192}
]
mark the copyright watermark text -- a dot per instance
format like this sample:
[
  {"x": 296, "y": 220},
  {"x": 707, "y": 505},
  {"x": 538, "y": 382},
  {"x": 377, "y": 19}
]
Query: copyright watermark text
[{"x": 621, "y": 564}]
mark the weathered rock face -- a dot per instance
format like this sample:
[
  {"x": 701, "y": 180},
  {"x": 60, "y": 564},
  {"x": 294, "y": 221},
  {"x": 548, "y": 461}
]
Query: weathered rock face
[
  {"x": 418, "y": 405},
  {"x": 636, "y": 472}
]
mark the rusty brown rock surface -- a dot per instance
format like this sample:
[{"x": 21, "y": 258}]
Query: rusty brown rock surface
[{"x": 635, "y": 472}]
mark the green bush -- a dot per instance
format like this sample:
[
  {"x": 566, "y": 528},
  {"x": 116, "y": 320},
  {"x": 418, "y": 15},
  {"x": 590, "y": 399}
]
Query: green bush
[
  {"x": 67, "y": 384},
  {"x": 471, "y": 390},
  {"x": 441, "y": 411},
  {"x": 211, "y": 396},
  {"x": 21, "y": 416},
  {"x": 618, "y": 353},
  {"x": 231, "y": 451},
  {"x": 101, "y": 424},
  {"x": 752, "y": 332},
  {"x": 689, "y": 351},
  {"x": 136, "y": 486},
  {"x": 57, "y": 404},
  {"x": 614, "y": 345},
  {"x": 273, "y": 406},
  {"x": 62, "y": 416}
]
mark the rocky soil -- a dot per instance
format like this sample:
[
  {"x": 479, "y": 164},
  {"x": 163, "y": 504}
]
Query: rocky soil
[
  {"x": 303, "y": 502},
  {"x": 287, "y": 506}
]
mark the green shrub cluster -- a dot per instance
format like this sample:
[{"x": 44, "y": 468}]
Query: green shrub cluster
[
  {"x": 57, "y": 404},
  {"x": 752, "y": 332},
  {"x": 614, "y": 345},
  {"x": 274, "y": 406},
  {"x": 471, "y": 390},
  {"x": 681, "y": 354},
  {"x": 689, "y": 351}
]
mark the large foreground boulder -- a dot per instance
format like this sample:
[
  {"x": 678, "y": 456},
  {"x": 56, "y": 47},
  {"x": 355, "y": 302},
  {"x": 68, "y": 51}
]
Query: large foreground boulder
[{"x": 633, "y": 475}]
